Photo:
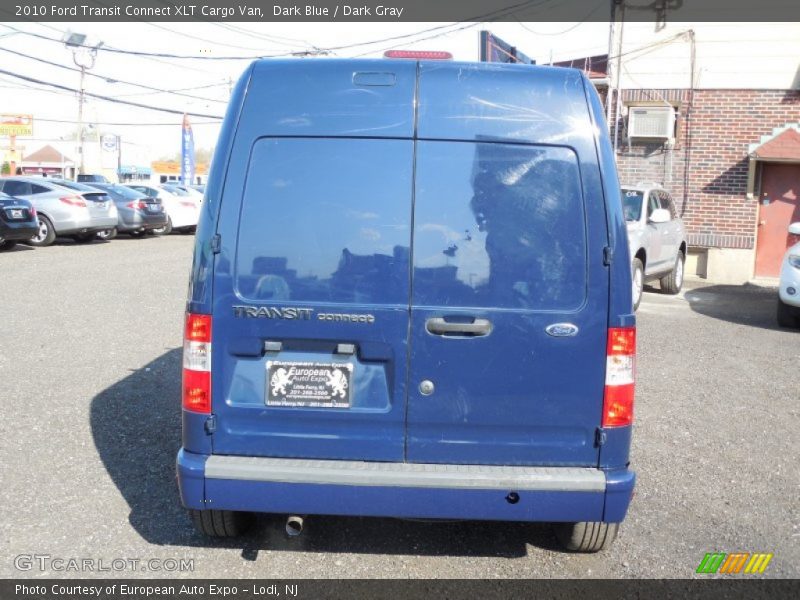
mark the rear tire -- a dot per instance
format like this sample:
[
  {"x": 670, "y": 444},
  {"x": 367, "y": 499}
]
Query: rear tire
[
  {"x": 107, "y": 234},
  {"x": 672, "y": 283},
  {"x": 637, "y": 281},
  {"x": 221, "y": 523},
  {"x": 46, "y": 235},
  {"x": 586, "y": 536},
  {"x": 165, "y": 230},
  {"x": 788, "y": 316},
  {"x": 6, "y": 245},
  {"x": 137, "y": 234}
]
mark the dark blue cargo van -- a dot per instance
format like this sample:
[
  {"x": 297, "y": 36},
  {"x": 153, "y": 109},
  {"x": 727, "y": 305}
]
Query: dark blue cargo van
[{"x": 411, "y": 297}]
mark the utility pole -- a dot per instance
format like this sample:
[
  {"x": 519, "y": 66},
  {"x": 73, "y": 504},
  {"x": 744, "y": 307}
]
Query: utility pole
[{"x": 84, "y": 56}]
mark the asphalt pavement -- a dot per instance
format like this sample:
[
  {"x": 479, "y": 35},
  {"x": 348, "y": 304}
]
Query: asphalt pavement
[{"x": 90, "y": 339}]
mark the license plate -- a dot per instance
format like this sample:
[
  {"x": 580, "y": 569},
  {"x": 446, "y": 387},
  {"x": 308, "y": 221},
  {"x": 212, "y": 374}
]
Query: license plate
[
  {"x": 154, "y": 207},
  {"x": 16, "y": 213},
  {"x": 309, "y": 384},
  {"x": 102, "y": 204}
]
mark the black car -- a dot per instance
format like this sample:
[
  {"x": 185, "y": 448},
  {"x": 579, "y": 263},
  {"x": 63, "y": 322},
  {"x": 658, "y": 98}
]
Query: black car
[
  {"x": 138, "y": 213},
  {"x": 18, "y": 221}
]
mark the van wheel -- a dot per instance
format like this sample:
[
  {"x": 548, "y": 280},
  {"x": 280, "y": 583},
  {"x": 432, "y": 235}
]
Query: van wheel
[
  {"x": 788, "y": 316},
  {"x": 586, "y": 536},
  {"x": 46, "y": 235},
  {"x": 672, "y": 283},
  {"x": 637, "y": 280},
  {"x": 221, "y": 523}
]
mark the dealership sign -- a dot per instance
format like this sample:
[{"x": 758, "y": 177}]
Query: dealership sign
[{"x": 16, "y": 124}]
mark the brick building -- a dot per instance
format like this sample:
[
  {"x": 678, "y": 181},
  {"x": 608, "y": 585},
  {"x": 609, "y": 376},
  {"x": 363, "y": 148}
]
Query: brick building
[{"x": 712, "y": 112}]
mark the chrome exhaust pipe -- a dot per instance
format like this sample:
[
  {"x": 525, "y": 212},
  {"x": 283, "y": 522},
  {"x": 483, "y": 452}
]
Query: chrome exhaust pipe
[{"x": 294, "y": 526}]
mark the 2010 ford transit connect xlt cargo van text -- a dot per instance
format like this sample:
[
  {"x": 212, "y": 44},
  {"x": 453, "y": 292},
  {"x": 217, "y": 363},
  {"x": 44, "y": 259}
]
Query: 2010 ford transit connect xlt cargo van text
[{"x": 411, "y": 298}]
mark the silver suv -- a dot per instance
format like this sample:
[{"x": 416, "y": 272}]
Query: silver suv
[{"x": 656, "y": 236}]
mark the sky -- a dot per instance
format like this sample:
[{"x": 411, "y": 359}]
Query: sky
[{"x": 209, "y": 81}]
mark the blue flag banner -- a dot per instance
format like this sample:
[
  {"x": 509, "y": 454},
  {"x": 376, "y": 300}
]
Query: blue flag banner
[{"x": 187, "y": 153}]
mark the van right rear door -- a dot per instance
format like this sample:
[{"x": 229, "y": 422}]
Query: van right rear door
[{"x": 509, "y": 310}]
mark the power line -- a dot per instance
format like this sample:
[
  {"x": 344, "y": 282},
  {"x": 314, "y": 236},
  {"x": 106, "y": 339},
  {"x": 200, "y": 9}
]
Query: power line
[
  {"x": 107, "y": 48},
  {"x": 578, "y": 24},
  {"x": 108, "y": 98},
  {"x": 112, "y": 124},
  {"x": 110, "y": 79}
]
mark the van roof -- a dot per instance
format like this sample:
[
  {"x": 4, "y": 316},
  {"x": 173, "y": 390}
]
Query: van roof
[{"x": 416, "y": 98}]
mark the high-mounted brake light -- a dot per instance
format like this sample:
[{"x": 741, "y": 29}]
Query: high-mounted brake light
[
  {"x": 197, "y": 363},
  {"x": 73, "y": 200},
  {"x": 419, "y": 54},
  {"x": 620, "y": 377}
]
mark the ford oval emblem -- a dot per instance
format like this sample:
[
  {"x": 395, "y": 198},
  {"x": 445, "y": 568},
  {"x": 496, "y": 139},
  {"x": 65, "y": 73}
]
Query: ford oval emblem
[{"x": 562, "y": 329}]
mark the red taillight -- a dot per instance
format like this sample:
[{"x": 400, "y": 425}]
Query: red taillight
[
  {"x": 32, "y": 212},
  {"x": 73, "y": 201},
  {"x": 198, "y": 328},
  {"x": 620, "y": 367},
  {"x": 419, "y": 54},
  {"x": 190, "y": 204},
  {"x": 137, "y": 205},
  {"x": 197, "y": 363}
]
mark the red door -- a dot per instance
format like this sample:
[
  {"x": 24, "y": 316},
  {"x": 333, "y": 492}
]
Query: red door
[{"x": 779, "y": 206}]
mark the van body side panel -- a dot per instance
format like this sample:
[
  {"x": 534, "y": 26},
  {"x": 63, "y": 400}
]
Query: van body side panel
[
  {"x": 620, "y": 308},
  {"x": 509, "y": 229},
  {"x": 615, "y": 452},
  {"x": 202, "y": 276}
]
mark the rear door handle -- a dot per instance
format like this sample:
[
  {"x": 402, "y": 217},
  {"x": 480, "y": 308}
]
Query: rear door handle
[{"x": 478, "y": 327}]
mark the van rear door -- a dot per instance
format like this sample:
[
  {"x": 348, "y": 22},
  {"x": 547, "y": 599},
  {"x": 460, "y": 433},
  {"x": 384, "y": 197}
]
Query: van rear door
[
  {"x": 311, "y": 284},
  {"x": 510, "y": 294}
]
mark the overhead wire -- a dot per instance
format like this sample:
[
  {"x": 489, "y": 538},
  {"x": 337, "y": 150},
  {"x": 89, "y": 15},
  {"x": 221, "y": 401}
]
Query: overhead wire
[
  {"x": 110, "y": 79},
  {"x": 108, "y": 98}
]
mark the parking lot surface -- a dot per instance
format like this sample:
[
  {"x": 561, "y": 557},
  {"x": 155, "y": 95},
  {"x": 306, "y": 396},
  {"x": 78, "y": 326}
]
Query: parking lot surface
[{"x": 90, "y": 339}]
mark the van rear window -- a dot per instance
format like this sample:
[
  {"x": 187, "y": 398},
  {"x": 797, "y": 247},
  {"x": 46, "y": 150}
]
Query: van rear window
[
  {"x": 498, "y": 225},
  {"x": 326, "y": 220}
]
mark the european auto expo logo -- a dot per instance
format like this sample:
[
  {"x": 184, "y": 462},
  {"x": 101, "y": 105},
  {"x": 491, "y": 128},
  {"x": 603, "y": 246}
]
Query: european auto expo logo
[{"x": 732, "y": 564}]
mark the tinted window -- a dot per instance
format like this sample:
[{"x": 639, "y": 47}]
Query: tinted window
[
  {"x": 17, "y": 188},
  {"x": 326, "y": 220},
  {"x": 38, "y": 189},
  {"x": 498, "y": 225},
  {"x": 632, "y": 203}
]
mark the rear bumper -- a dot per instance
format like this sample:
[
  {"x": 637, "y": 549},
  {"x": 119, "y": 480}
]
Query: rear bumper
[
  {"x": 84, "y": 224},
  {"x": 140, "y": 221},
  {"x": 19, "y": 231},
  {"x": 403, "y": 489}
]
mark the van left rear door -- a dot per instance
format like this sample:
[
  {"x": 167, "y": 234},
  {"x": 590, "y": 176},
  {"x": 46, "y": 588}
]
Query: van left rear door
[{"x": 311, "y": 301}]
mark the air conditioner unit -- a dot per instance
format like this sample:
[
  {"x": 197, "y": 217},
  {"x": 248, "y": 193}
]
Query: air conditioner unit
[{"x": 651, "y": 122}]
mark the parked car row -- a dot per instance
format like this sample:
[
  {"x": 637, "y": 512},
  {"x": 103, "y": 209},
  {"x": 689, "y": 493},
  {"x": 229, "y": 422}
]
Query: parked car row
[{"x": 88, "y": 210}]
